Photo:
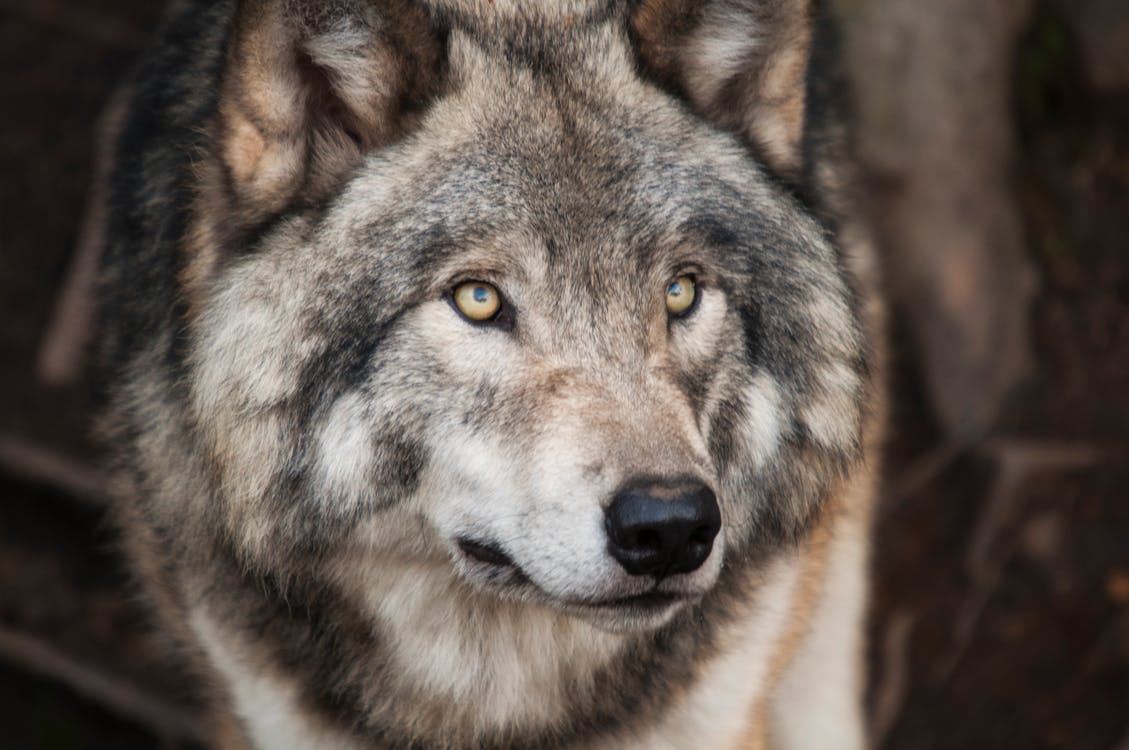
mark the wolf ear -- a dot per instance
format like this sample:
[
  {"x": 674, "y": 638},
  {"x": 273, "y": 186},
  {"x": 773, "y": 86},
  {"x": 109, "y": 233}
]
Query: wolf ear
[
  {"x": 308, "y": 87},
  {"x": 740, "y": 63}
]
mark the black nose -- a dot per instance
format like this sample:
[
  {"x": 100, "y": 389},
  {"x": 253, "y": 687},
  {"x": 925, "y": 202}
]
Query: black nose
[{"x": 661, "y": 528}]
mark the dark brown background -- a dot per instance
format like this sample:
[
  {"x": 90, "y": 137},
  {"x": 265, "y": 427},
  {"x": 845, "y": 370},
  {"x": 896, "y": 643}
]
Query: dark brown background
[{"x": 995, "y": 139}]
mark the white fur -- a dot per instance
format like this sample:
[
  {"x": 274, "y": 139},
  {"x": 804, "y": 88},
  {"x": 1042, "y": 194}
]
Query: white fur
[
  {"x": 832, "y": 414},
  {"x": 507, "y": 659},
  {"x": 719, "y": 50},
  {"x": 345, "y": 450},
  {"x": 830, "y": 319},
  {"x": 347, "y": 51},
  {"x": 818, "y": 702},
  {"x": 266, "y": 703},
  {"x": 717, "y": 713},
  {"x": 244, "y": 359},
  {"x": 245, "y": 352},
  {"x": 764, "y": 420}
]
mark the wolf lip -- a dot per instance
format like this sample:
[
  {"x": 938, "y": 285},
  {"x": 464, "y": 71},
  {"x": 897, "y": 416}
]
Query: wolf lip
[
  {"x": 649, "y": 600},
  {"x": 486, "y": 553}
]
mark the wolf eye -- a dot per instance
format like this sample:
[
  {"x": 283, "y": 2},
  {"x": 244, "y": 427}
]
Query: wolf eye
[
  {"x": 681, "y": 295},
  {"x": 478, "y": 301}
]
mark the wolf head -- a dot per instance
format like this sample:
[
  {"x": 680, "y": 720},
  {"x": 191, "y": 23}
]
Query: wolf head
[{"x": 514, "y": 292}]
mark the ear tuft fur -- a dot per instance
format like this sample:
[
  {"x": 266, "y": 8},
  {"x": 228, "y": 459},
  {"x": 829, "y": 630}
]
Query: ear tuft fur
[
  {"x": 740, "y": 63},
  {"x": 309, "y": 87}
]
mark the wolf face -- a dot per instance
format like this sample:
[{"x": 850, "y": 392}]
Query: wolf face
[
  {"x": 490, "y": 302},
  {"x": 337, "y": 379}
]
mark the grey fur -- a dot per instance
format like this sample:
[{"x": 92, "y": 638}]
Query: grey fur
[{"x": 301, "y": 418}]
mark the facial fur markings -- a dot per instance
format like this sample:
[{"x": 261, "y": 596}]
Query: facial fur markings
[{"x": 334, "y": 429}]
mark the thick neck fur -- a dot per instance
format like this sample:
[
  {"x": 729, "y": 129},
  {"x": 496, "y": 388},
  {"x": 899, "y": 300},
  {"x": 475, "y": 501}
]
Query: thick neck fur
[{"x": 478, "y": 671}]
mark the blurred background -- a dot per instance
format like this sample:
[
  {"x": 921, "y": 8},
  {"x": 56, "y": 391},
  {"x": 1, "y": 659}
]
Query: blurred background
[{"x": 994, "y": 138}]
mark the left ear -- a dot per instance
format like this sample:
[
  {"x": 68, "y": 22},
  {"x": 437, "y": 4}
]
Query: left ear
[
  {"x": 309, "y": 87},
  {"x": 741, "y": 64}
]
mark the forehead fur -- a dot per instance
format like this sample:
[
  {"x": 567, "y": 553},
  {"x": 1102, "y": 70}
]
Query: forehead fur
[
  {"x": 503, "y": 15},
  {"x": 585, "y": 156}
]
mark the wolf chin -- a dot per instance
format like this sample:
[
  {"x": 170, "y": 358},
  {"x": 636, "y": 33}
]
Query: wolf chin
[{"x": 496, "y": 373}]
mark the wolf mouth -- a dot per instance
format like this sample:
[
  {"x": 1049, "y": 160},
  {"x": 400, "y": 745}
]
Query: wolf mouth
[
  {"x": 651, "y": 600},
  {"x": 486, "y": 553},
  {"x": 495, "y": 566},
  {"x": 498, "y": 562}
]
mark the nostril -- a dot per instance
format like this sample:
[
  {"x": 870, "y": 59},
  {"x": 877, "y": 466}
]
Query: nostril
[
  {"x": 703, "y": 535},
  {"x": 647, "y": 540}
]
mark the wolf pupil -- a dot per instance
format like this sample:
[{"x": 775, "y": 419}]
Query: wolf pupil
[{"x": 481, "y": 295}]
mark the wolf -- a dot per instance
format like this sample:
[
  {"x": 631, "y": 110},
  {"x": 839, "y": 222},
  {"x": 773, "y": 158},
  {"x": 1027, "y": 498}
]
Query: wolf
[{"x": 496, "y": 373}]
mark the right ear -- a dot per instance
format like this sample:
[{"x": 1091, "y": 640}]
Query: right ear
[
  {"x": 741, "y": 64},
  {"x": 308, "y": 87}
]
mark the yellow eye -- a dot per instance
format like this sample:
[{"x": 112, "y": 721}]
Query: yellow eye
[
  {"x": 477, "y": 300},
  {"x": 680, "y": 295}
]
